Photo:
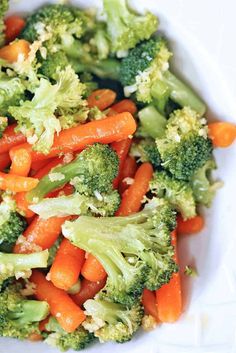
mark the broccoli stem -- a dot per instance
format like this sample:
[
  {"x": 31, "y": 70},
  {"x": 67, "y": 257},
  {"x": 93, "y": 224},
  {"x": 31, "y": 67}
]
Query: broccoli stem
[
  {"x": 183, "y": 94},
  {"x": 24, "y": 262},
  {"x": 152, "y": 122},
  {"x": 30, "y": 311}
]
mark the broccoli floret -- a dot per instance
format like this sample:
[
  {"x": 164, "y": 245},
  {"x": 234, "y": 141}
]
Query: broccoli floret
[
  {"x": 77, "y": 340},
  {"x": 38, "y": 119},
  {"x": 146, "y": 151},
  {"x": 19, "y": 317},
  {"x": 12, "y": 91},
  {"x": 3, "y": 10},
  {"x": 62, "y": 22},
  {"x": 53, "y": 63},
  {"x": 12, "y": 226},
  {"x": 112, "y": 321},
  {"x": 20, "y": 265},
  {"x": 92, "y": 171},
  {"x": 152, "y": 123},
  {"x": 3, "y": 125},
  {"x": 78, "y": 204},
  {"x": 177, "y": 192},
  {"x": 204, "y": 188},
  {"x": 135, "y": 250},
  {"x": 145, "y": 72},
  {"x": 125, "y": 27},
  {"x": 185, "y": 147}
]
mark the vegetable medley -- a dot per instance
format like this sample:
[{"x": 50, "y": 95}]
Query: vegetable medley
[{"x": 105, "y": 158}]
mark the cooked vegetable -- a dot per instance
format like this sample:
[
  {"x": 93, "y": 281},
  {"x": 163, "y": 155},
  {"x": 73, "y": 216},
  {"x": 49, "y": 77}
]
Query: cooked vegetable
[
  {"x": 3, "y": 10},
  {"x": 222, "y": 134},
  {"x": 92, "y": 270},
  {"x": 111, "y": 321},
  {"x": 145, "y": 72},
  {"x": 13, "y": 51},
  {"x": 13, "y": 26},
  {"x": 129, "y": 247},
  {"x": 16, "y": 183},
  {"x": 11, "y": 139},
  {"x": 88, "y": 290},
  {"x": 21, "y": 162},
  {"x": 190, "y": 226},
  {"x": 19, "y": 316},
  {"x": 122, "y": 149}
]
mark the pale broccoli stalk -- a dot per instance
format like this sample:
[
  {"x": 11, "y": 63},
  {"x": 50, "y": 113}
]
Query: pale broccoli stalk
[
  {"x": 112, "y": 321},
  {"x": 152, "y": 123},
  {"x": 105, "y": 204},
  {"x": 145, "y": 72},
  {"x": 125, "y": 27},
  {"x": 38, "y": 118},
  {"x": 20, "y": 265}
]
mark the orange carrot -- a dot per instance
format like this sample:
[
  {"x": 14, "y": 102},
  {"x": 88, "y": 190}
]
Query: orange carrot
[
  {"x": 149, "y": 303},
  {"x": 222, "y": 134},
  {"x": 111, "y": 129},
  {"x": 101, "y": 98},
  {"x": 128, "y": 171},
  {"x": 5, "y": 161},
  {"x": 169, "y": 297},
  {"x": 125, "y": 105},
  {"x": 43, "y": 323},
  {"x": 62, "y": 307},
  {"x": 21, "y": 162},
  {"x": 87, "y": 291},
  {"x": 41, "y": 232},
  {"x": 13, "y": 26},
  {"x": 48, "y": 167},
  {"x": 36, "y": 166},
  {"x": 66, "y": 266},
  {"x": 23, "y": 204},
  {"x": 122, "y": 149},
  {"x": 11, "y": 138},
  {"x": 35, "y": 337},
  {"x": 12, "y": 51},
  {"x": 16, "y": 183},
  {"x": 92, "y": 270},
  {"x": 132, "y": 198},
  {"x": 190, "y": 226}
]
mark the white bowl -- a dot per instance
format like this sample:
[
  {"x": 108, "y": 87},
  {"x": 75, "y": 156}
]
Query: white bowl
[{"x": 201, "y": 35}]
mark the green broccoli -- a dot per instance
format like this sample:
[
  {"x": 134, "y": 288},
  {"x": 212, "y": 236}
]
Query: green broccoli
[
  {"x": 38, "y": 118},
  {"x": 3, "y": 125},
  {"x": 12, "y": 91},
  {"x": 146, "y": 151},
  {"x": 177, "y": 192},
  {"x": 125, "y": 27},
  {"x": 3, "y": 10},
  {"x": 53, "y": 63},
  {"x": 135, "y": 250},
  {"x": 20, "y": 265},
  {"x": 92, "y": 171},
  {"x": 57, "y": 337},
  {"x": 105, "y": 204},
  {"x": 19, "y": 316},
  {"x": 145, "y": 72},
  {"x": 12, "y": 226},
  {"x": 204, "y": 188},
  {"x": 112, "y": 321},
  {"x": 185, "y": 147}
]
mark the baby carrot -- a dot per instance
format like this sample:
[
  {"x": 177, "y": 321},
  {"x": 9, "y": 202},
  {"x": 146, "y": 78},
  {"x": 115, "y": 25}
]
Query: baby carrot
[
  {"x": 222, "y": 133},
  {"x": 87, "y": 291},
  {"x": 108, "y": 130},
  {"x": 62, "y": 307},
  {"x": 23, "y": 204},
  {"x": 66, "y": 266},
  {"x": 149, "y": 303},
  {"x": 16, "y": 183},
  {"x": 190, "y": 226},
  {"x": 92, "y": 270},
  {"x": 11, "y": 138},
  {"x": 128, "y": 171},
  {"x": 169, "y": 297},
  {"x": 13, "y": 26},
  {"x": 125, "y": 105},
  {"x": 122, "y": 149},
  {"x": 101, "y": 98},
  {"x": 5, "y": 161},
  {"x": 132, "y": 198},
  {"x": 42, "y": 233},
  {"x": 12, "y": 51},
  {"x": 21, "y": 162}
]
